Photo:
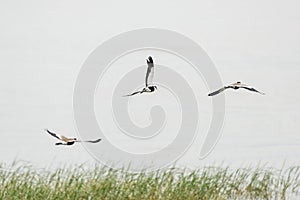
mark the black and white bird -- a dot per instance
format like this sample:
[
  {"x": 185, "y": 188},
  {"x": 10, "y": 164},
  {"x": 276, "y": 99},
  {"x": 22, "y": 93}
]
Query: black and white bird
[
  {"x": 148, "y": 79},
  {"x": 235, "y": 86},
  {"x": 68, "y": 141}
]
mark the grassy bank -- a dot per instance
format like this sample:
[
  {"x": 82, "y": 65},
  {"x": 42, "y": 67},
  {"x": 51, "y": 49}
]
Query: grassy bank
[{"x": 23, "y": 182}]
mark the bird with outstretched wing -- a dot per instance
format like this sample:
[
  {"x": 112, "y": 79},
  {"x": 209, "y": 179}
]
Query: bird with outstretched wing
[
  {"x": 235, "y": 86},
  {"x": 69, "y": 141},
  {"x": 148, "y": 79}
]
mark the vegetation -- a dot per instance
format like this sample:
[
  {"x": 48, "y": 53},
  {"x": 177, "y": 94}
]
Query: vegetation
[{"x": 21, "y": 181}]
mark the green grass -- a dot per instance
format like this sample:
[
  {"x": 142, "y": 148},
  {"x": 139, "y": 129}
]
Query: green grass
[{"x": 21, "y": 181}]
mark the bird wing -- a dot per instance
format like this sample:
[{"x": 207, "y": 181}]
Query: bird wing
[
  {"x": 149, "y": 73},
  {"x": 60, "y": 137},
  {"x": 252, "y": 89},
  {"x": 134, "y": 93},
  {"x": 90, "y": 141},
  {"x": 218, "y": 91}
]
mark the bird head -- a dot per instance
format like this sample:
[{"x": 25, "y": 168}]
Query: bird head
[{"x": 149, "y": 60}]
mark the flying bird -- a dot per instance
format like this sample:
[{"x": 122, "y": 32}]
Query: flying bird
[
  {"x": 148, "y": 79},
  {"x": 235, "y": 86},
  {"x": 68, "y": 141}
]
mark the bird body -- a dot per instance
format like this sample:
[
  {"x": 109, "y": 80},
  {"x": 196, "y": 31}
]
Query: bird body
[
  {"x": 65, "y": 143},
  {"x": 235, "y": 86},
  {"x": 148, "y": 89}
]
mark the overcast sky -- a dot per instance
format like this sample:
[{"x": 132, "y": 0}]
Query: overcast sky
[
  {"x": 43, "y": 31},
  {"x": 44, "y": 43}
]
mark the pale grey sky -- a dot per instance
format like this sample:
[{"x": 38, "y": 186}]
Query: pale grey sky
[
  {"x": 44, "y": 43},
  {"x": 229, "y": 30}
]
